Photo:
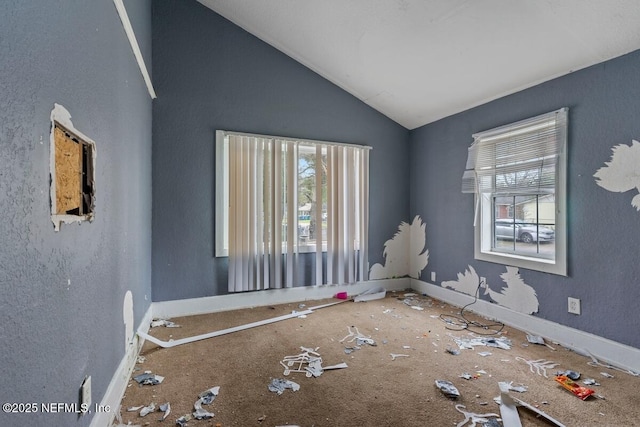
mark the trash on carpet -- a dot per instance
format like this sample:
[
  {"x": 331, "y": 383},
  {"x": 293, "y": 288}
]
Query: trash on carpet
[
  {"x": 570, "y": 374},
  {"x": 148, "y": 378},
  {"x": 580, "y": 391},
  {"x": 540, "y": 365},
  {"x": 473, "y": 418},
  {"x": 359, "y": 338},
  {"x": 448, "y": 389},
  {"x": 469, "y": 343},
  {"x": 523, "y": 404},
  {"x": 279, "y": 385},
  {"x": 394, "y": 356},
  {"x": 537, "y": 339},
  {"x": 163, "y": 322},
  {"x": 371, "y": 294}
]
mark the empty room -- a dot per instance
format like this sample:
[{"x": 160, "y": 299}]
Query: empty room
[{"x": 195, "y": 193}]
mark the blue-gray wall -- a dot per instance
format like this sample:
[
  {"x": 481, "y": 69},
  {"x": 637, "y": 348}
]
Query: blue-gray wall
[
  {"x": 53, "y": 333},
  {"x": 603, "y": 227},
  {"x": 211, "y": 74}
]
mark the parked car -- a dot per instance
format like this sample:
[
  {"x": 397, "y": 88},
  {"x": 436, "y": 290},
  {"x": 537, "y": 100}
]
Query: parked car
[{"x": 523, "y": 231}]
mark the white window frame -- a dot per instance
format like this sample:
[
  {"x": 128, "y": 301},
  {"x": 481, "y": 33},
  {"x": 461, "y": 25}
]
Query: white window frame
[{"x": 485, "y": 212}]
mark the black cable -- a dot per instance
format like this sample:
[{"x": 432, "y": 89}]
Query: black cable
[{"x": 460, "y": 322}]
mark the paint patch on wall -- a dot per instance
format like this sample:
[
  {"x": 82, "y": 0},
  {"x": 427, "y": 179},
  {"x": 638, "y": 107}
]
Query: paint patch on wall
[
  {"x": 467, "y": 283},
  {"x": 404, "y": 253},
  {"x": 127, "y": 318},
  {"x": 517, "y": 295},
  {"x": 622, "y": 173},
  {"x": 72, "y": 169}
]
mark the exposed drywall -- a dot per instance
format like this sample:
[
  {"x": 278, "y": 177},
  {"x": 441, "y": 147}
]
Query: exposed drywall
[
  {"x": 127, "y": 318},
  {"x": 210, "y": 74},
  {"x": 517, "y": 295},
  {"x": 62, "y": 293},
  {"x": 603, "y": 253},
  {"x": 67, "y": 153},
  {"x": 622, "y": 172},
  {"x": 404, "y": 254}
]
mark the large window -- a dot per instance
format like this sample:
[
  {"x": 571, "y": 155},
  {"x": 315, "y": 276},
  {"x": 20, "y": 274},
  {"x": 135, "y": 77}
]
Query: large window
[
  {"x": 518, "y": 174},
  {"x": 278, "y": 197}
]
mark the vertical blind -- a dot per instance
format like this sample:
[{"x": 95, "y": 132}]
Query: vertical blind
[
  {"x": 263, "y": 212},
  {"x": 520, "y": 158}
]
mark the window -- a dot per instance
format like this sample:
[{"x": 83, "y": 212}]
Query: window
[
  {"x": 278, "y": 197},
  {"x": 518, "y": 174},
  {"x": 72, "y": 171}
]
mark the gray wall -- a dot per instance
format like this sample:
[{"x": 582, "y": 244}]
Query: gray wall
[
  {"x": 74, "y": 53},
  {"x": 211, "y": 74},
  {"x": 603, "y": 227}
]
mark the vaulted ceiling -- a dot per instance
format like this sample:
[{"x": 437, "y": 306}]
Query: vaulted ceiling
[{"x": 417, "y": 61}]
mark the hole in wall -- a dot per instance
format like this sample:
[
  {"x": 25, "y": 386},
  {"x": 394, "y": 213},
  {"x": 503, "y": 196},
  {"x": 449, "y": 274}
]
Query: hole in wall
[{"x": 72, "y": 171}]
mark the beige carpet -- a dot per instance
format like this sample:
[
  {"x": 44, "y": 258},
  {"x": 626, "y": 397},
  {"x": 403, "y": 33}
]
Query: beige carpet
[{"x": 374, "y": 390}]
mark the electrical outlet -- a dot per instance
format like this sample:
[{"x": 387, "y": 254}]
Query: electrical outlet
[
  {"x": 86, "y": 391},
  {"x": 433, "y": 276},
  {"x": 574, "y": 305}
]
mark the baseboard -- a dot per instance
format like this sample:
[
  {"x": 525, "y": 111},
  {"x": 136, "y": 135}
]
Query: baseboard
[
  {"x": 118, "y": 385},
  {"x": 605, "y": 350},
  {"x": 236, "y": 301}
]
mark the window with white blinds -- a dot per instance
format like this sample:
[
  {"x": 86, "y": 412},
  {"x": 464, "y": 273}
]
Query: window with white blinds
[{"x": 518, "y": 174}]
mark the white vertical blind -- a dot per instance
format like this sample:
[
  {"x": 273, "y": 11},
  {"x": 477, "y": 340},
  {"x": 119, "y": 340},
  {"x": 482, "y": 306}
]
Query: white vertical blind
[
  {"x": 320, "y": 175},
  {"x": 263, "y": 212}
]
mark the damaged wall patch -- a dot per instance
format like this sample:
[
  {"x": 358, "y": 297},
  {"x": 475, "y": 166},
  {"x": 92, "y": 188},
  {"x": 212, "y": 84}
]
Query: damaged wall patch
[{"x": 72, "y": 166}]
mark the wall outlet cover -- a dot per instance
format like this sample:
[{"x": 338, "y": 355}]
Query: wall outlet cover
[{"x": 574, "y": 305}]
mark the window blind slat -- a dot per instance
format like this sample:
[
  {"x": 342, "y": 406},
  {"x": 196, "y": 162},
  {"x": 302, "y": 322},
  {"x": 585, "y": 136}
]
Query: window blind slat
[{"x": 518, "y": 158}]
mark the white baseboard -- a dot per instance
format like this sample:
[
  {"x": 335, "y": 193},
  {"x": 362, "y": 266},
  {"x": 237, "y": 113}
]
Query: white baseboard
[
  {"x": 240, "y": 300},
  {"x": 605, "y": 350},
  {"x": 118, "y": 385}
]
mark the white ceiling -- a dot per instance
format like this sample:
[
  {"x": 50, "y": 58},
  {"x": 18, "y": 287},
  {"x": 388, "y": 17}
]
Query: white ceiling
[{"x": 417, "y": 61}]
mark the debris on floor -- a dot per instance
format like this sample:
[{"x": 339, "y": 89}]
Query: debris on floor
[
  {"x": 540, "y": 365},
  {"x": 308, "y": 362},
  {"x": 148, "y": 378},
  {"x": 163, "y": 322},
  {"x": 166, "y": 408},
  {"x": 473, "y": 418},
  {"x": 371, "y": 294},
  {"x": 590, "y": 381},
  {"x": 508, "y": 410},
  {"x": 518, "y": 402},
  {"x": 338, "y": 366},
  {"x": 469, "y": 343},
  {"x": 580, "y": 391},
  {"x": 570, "y": 374},
  {"x": 394, "y": 356},
  {"x": 453, "y": 351},
  {"x": 510, "y": 387},
  {"x": 537, "y": 339},
  {"x": 147, "y": 410},
  {"x": 359, "y": 338},
  {"x": 279, "y": 385},
  {"x": 595, "y": 362},
  {"x": 448, "y": 389},
  {"x": 204, "y": 398}
]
